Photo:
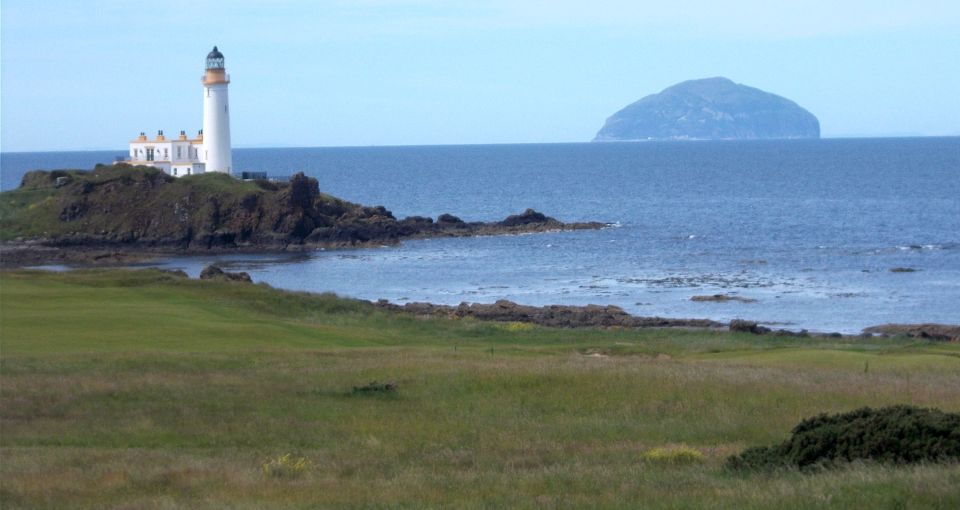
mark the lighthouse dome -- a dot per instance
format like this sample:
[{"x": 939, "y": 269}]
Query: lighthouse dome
[{"x": 215, "y": 59}]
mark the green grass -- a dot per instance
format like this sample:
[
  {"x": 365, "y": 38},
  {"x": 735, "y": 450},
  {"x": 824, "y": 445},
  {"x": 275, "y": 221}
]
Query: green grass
[
  {"x": 138, "y": 389},
  {"x": 27, "y": 212},
  {"x": 34, "y": 210}
]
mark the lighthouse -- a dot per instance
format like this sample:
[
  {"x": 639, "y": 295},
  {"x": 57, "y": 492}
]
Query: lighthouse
[
  {"x": 209, "y": 151},
  {"x": 216, "y": 116}
]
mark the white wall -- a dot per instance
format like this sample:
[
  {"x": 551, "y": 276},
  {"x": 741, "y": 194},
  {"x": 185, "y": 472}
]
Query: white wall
[{"x": 216, "y": 129}]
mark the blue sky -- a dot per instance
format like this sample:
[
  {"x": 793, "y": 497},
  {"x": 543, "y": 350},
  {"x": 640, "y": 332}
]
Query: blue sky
[{"x": 91, "y": 75}]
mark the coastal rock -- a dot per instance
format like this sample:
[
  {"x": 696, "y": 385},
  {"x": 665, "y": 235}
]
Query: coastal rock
[
  {"x": 561, "y": 316},
  {"x": 740, "y": 325},
  {"x": 449, "y": 219},
  {"x": 417, "y": 220},
  {"x": 710, "y": 109},
  {"x": 302, "y": 191},
  {"x": 588, "y": 316},
  {"x": 722, "y": 298},
  {"x": 215, "y": 273},
  {"x": 525, "y": 218},
  {"x": 942, "y": 332}
]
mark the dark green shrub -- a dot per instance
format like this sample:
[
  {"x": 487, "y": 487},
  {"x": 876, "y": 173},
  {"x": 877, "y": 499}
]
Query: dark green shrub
[
  {"x": 375, "y": 387},
  {"x": 893, "y": 435}
]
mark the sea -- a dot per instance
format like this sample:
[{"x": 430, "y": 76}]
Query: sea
[{"x": 829, "y": 235}]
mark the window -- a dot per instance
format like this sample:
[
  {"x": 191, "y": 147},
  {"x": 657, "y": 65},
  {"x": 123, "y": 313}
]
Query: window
[
  {"x": 174, "y": 172},
  {"x": 179, "y": 155},
  {"x": 166, "y": 153}
]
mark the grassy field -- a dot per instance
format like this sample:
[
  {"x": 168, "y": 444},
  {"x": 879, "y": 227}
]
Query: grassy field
[{"x": 138, "y": 389}]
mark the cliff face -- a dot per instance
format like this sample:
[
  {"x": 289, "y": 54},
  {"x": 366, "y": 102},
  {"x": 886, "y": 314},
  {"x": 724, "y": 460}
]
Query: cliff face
[
  {"x": 143, "y": 208},
  {"x": 710, "y": 109}
]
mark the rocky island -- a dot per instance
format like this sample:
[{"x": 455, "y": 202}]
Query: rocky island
[
  {"x": 116, "y": 212},
  {"x": 710, "y": 109}
]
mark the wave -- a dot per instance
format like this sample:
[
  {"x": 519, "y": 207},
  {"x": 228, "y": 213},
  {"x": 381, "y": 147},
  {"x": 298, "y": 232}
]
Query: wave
[{"x": 908, "y": 248}]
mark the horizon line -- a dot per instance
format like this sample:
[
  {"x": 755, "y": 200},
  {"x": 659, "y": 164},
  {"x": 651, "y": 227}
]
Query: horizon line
[{"x": 266, "y": 146}]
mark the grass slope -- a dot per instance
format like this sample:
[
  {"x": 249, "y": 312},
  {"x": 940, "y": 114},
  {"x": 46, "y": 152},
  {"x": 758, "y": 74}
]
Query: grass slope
[{"x": 143, "y": 390}]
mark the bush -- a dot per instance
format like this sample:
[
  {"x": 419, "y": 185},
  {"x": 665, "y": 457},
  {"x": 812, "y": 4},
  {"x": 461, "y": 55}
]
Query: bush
[
  {"x": 891, "y": 435},
  {"x": 677, "y": 455},
  {"x": 286, "y": 466},
  {"x": 375, "y": 387}
]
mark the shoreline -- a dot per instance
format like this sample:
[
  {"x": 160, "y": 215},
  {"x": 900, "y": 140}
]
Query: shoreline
[
  {"x": 573, "y": 316},
  {"x": 612, "y": 316},
  {"x": 35, "y": 252},
  {"x": 42, "y": 257}
]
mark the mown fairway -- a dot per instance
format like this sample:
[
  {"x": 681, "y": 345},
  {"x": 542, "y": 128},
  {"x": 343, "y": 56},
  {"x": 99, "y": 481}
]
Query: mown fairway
[{"x": 137, "y": 389}]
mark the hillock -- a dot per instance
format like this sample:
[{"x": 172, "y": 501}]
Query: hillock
[{"x": 710, "y": 109}]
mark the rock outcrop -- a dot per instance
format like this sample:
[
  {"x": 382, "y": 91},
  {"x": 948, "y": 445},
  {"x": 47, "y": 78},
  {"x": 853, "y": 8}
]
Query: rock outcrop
[
  {"x": 722, "y": 298},
  {"x": 745, "y": 326},
  {"x": 141, "y": 209},
  {"x": 215, "y": 273},
  {"x": 560, "y": 316},
  {"x": 710, "y": 109},
  {"x": 942, "y": 332}
]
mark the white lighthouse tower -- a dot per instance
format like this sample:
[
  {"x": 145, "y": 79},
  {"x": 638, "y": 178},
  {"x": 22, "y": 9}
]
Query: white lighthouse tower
[{"x": 216, "y": 116}]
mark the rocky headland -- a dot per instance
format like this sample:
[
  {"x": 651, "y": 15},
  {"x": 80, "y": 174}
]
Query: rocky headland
[
  {"x": 710, "y": 109},
  {"x": 121, "y": 213}
]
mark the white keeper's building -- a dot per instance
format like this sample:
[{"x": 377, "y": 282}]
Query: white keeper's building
[{"x": 210, "y": 150}]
